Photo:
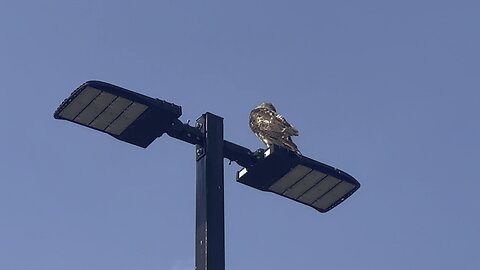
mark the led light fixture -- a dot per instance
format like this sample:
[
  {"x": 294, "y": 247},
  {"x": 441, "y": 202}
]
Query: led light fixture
[
  {"x": 126, "y": 115},
  {"x": 300, "y": 179}
]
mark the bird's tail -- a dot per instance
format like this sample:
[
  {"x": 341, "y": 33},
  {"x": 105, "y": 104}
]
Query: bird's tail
[{"x": 290, "y": 145}]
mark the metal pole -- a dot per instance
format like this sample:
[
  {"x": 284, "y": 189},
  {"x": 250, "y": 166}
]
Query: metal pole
[{"x": 210, "y": 226}]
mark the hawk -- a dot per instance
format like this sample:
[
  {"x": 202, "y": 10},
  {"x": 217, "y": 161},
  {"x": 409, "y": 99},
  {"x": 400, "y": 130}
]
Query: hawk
[{"x": 272, "y": 128}]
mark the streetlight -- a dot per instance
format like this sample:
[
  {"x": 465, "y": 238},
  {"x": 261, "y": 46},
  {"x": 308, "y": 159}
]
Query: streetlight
[
  {"x": 139, "y": 120},
  {"x": 126, "y": 115},
  {"x": 299, "y": 178}
]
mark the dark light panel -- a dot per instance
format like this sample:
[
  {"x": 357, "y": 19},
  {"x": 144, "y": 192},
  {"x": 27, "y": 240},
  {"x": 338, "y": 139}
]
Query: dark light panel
[
  {"x": 125, "y": 115},
  {"x": 300, "y": 179}
]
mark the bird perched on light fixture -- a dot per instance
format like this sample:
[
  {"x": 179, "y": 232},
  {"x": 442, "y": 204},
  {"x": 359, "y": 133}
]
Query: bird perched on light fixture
[{"x": 272, "y": 128}]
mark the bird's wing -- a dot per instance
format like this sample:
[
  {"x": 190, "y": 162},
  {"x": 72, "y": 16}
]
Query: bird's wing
[{"x": 286, "y": 128}]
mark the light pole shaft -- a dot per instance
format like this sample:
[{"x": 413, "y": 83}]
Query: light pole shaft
[{"x": 210, "y": 225}]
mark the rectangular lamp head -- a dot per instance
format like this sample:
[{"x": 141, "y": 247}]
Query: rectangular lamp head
[
  {"x": 126, "y": 115},
  {"x": 300, "y": 179}
]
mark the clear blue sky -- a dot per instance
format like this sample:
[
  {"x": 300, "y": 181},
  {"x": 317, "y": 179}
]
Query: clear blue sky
[{"x": 385, "y": 90}]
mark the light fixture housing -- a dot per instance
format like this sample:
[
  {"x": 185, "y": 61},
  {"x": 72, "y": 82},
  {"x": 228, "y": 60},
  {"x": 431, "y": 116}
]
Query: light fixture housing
[
  {"x": 125, "y": 115},
  {"x": 299, "y": 178}
]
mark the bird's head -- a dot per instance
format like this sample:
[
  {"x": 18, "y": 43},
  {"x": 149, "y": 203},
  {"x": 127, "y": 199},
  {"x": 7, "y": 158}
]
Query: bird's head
[{"x": 267, "y": 105}]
